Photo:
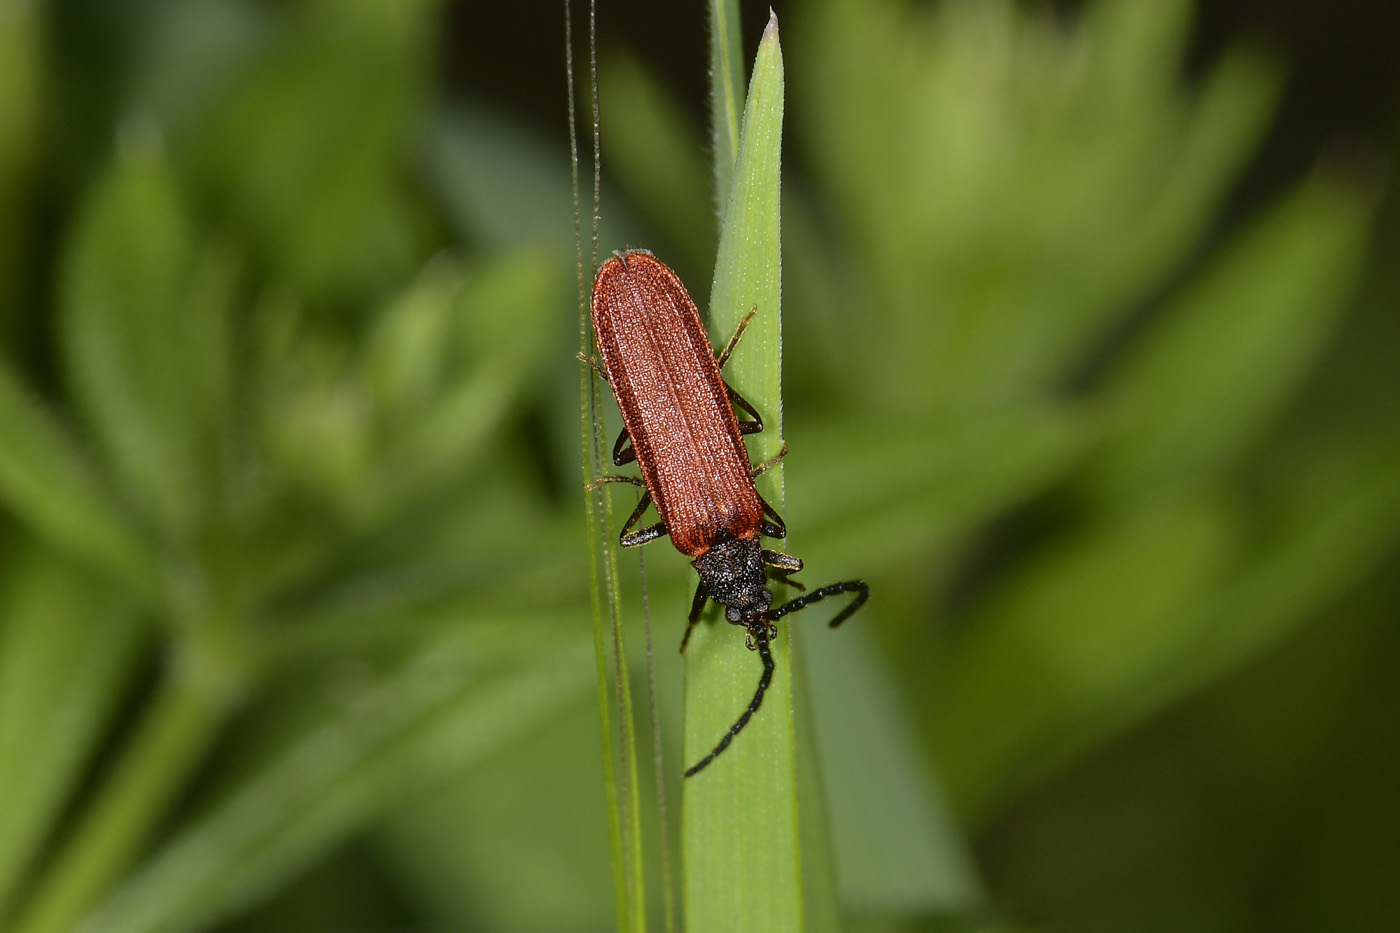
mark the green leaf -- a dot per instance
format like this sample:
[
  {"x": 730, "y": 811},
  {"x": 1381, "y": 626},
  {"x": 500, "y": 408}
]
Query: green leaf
[
  {"x": 415, "y": 729},
  {"x": 1046, "y": 181},
  {"x": 1176, "y": 173},
  {"x": 1082, "y": 627},
  {"x": 67, "y": 644},
  {"x": 134, "y": 348},
  {"x": 22, "y": 102},
  {"x": 501, "y": 327},
  {"x": 898, "y": 849},
  {"x": 476, "y": 852},
  {"x": 1188, "y": 602},
  {"x": 304, "y": 149},
  {"x": 742, "y": 810},
  {"x": 1227, "y": 355},
  {"x": 45, "y": 482},
  {"x": 1340, "y": 521},
  {"x": 902, "y": 486},
  {"x": 449, "y": 364}
]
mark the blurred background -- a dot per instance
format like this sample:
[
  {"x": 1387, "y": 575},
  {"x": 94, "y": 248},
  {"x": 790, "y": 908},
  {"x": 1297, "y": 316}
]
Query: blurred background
[{"x": 1091, "y": 371}]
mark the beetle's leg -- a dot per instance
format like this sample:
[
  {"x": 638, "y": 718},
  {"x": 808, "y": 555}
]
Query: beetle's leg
[
  {"x": 635, "y": 538},
  {"x": 745, "y": 427},
  {"x": 597, "y": 367},
  {"x": 623, "y": 453},
  {"x": 776, "y": 528},
  {"x": 785, "y": 577},
  {"x": 638, "y": 538},
  {"x": 696, "y": 607},
  {"x": 734, "y": 338},
  {"x": 785, "y": 565},
  {"x": 604, "y": 480},
  {"x": 756, "y": 471}
]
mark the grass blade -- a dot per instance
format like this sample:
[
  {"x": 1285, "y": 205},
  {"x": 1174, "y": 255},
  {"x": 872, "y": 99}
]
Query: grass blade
[
  {"x": 726, "y": 90},
  {"x": 740, "y": 854}
]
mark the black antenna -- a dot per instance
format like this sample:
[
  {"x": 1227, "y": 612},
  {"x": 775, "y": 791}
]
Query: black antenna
[{"x": 761, "y": 637}]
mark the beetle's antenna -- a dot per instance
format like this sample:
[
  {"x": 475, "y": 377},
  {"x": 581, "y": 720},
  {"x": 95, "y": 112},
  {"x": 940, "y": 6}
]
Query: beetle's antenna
[
  {"x": 746, "y": 715},
  {"x": 859, "y": 587}
]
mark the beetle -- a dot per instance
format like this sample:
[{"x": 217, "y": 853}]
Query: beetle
[{"x": 680, "y": 427}]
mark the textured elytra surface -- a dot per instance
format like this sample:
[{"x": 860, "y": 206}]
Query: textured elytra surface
[{"x": 674, "y": 405}]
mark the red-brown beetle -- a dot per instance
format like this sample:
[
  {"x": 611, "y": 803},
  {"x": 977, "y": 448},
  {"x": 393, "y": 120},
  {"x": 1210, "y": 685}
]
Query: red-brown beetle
[{"x": 681, "y": 429}]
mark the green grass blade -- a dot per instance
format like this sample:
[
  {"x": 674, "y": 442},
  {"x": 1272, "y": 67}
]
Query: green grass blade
[
  {"x": 602, "y": 575},
  {"x": 741, "y": 863},
  {"x": 726, "y": 90},
  {"x": 897, "y": 847}
]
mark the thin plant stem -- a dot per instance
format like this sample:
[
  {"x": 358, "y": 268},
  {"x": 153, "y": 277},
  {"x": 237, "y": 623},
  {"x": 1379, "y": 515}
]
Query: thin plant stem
[
  {"x": 592, "y": 507},
  {"x": 179, "y": 725},
  {"x": 668, "y": 885},
  {"x": 622, "y": 791}
]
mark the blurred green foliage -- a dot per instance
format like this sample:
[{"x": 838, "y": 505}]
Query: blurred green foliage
[{"x": 292, "y": 612}]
